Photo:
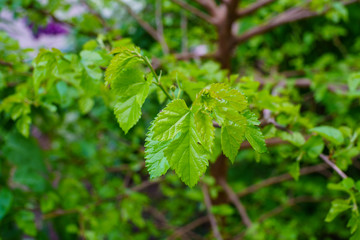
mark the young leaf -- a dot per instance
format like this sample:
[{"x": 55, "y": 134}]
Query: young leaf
[
  {"x": 156, "y": 162},
  {"x": 170, "y": 121},
  {"x": 232, "y": 135},
  {"x": 329, "y": 133},
  {"x": 6, "y": 198},
  {"x": 132, "y": 89},
  {"x": 205, "y": 128},
  {"x": 186, "y": 154},
  {"x": 256, "y": 139},
  {"x": 337, "y": 206}
]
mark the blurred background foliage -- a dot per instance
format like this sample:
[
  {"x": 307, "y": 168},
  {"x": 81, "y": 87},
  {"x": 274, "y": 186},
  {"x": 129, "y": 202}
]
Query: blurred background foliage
[{"x": 67, "y": 171}]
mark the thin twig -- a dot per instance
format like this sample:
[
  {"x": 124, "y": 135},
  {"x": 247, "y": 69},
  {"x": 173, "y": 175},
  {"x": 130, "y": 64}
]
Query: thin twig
[
  {"x": 236, "y": 201},
  {"x": 211, "y": 216},
  {"x": 253, "y": 8},
  {"x": 194, "y": 10},
  {"x": 333, "y": 166},
  {"x": 160, "y": 26},
  {"x": 289, "y": 16},
  {"x": 290, "y": 203},
  {"x": 188, "y": 227},
  {"x": 281, "y": 178}
]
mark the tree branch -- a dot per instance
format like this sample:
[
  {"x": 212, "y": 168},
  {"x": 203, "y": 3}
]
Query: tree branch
[
  {"x": 211, "y": 216},
  {"x": 209, "y": 5},
  {"x": 188, "y": 227},
  {"x": 237, "y": 203},
  {"x": 194, "y": 10},
  {"x": 147, "y": 27},
  {"x": 289, "y": 16},
  {"x": 281, "y": 178},
  {"x": 291, "y": 202},
  {"x": 253, "y": 8},
  {"x": 160, "y": 26},
  {"x": 333, "y": 166}
]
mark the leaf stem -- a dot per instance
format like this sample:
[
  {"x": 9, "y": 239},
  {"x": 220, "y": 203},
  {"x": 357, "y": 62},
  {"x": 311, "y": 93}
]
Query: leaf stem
[{"x": 157, "y": 78}]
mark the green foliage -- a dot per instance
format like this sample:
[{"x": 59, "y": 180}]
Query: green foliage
[{"x": 67, "y": 171}]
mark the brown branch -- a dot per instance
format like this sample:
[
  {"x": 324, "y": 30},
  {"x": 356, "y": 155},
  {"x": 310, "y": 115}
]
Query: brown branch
[
  {"x": 160, "y": 26},
  {"x": 211, "y": 216},
  {"x": 289, "y": 16},
  {"x": 270, "y": 142},
  {"x": 281, "y": 178},
  {"x": 146, "y": 26},
  {"x": 333, "y": 166},
  {"x": 97, "y": 15},
  {"x": 188, "y": 227},
  {"x": 7, "y": 64},
  {"x": 291, "y": 202},
  {"x": 194, "y": 10},
  {"x": 253, "y": 8},
  {"x": 165, "y": 223},
  {"x": 237, "y": 203},
  {"x": 209, "y": 5}
]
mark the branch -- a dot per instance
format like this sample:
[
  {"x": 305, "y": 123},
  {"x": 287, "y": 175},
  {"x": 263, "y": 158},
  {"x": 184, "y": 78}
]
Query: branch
[
  {"x": 194, "y": 10},
  {"x": 211, "y": 216},
  {"x": 239, "y": 206},
  {"x": 291, "y": 202},
  {"x": 253, "y": 8},
  {"x": 333, "y": 166},
  {"x": 147, "y": 27},
  {"x": 289, "y": 16},
  {"x": 96, "y": 14},
  {"x": 281, "y": 178},
  {"x": 188, "y": 227},
  {"x": 209, "y": 5},
  {"x": 160, "y": 26}
]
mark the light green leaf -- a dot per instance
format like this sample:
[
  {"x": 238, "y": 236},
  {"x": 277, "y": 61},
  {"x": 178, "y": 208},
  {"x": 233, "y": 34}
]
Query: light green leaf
[
  {"x": 337, "y": 206},
  {"x": 86, "y": 104},
  {"x": 233, "y": 97},
  {"x": 295, "y": 138},
  {"x": 6, "y": 198},
  {"x": 329, "y": 133},
  {"x": 232, "y": 135},
  {"x": 314, "y": 146},
  {"x": 23, "y": 125},
  {"x": 131, "y": 89},
  {"x": 256, "y": 139},
  {"x": 205, "y": 128},
  {"x": 156, "y": 162},
  {"x": 25, "y": 220},
  {"x": 171, "y": 120},
  {"x": 186, "y": 154}
]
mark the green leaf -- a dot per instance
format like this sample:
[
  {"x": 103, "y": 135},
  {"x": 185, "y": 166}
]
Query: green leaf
[
  {"x": 295, "y": 138},
  {"x": 337, "y": 206},
  {"x": 25, "y": 220},
  {"x": 294, "y": 170},
  {"x": 232, "y": 135},
  {"x": 329, "y": 133},
  {"x": 256, "y": 139},
  {"x": 314, "y": 146},
  {"x": 171, "y": 120},
  {"x": 23, "y": 125},
  {"x": 44, "y": 64},
  {"x": 86, "y": 104},
  {"x": 156, "y": 162},
  {"x": 186, "y": 153},
  {"x": 233, "y": 98},
  {"x": 124, "y": 58},
  {"x": 132, "y": 89},
  {"x": 6, "y": 198},
  {"x": 205, "y": 128}
]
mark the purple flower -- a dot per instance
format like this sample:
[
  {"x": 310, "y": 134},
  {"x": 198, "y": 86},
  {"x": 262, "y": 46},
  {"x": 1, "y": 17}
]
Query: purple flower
[{"x": 52, "y": 28}]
